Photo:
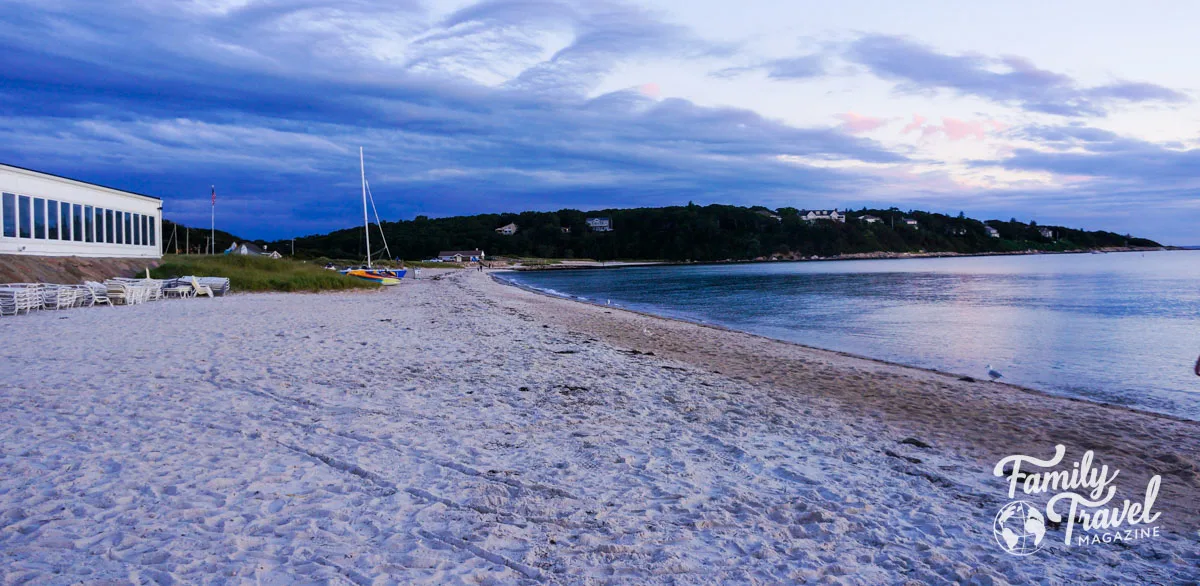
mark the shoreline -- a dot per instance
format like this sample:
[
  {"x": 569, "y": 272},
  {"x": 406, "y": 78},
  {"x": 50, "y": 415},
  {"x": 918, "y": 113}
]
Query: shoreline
[
  {"x": 881, "y": 361},
  {"x": 589, "y": 265},
  {"x": 974, "y": 420}
]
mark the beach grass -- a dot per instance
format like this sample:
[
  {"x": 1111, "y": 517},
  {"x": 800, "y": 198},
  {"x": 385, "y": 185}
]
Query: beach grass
[{"x": 259, "y": 273}]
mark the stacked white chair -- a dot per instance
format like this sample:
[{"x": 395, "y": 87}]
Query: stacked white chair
[
  {"x": 59, "y": 296},
  {"x": 18, "y": 297}
]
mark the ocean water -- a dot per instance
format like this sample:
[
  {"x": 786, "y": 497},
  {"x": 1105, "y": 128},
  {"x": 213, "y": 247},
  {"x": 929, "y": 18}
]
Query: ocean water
[{"x": 1121, "y": 328}]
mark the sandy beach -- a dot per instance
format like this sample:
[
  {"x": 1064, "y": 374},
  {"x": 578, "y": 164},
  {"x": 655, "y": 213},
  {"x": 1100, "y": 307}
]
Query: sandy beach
[{"x": 462, "y": 431}]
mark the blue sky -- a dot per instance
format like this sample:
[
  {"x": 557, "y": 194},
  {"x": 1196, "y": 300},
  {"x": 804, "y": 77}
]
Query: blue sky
[{"x": 1075, "y": 113}]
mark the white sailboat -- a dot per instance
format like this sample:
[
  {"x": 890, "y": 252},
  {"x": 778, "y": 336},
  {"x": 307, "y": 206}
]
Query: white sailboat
[{"x": 382, "y": 276}]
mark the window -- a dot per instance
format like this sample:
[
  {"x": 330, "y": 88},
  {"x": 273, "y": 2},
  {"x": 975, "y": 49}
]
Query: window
[
  {"x": 52, "y": 219},
  {"x": 64, "y": 220},
  {"x": 10, "y": 215},
  {"x": 108, "y": 226},
  {"x": 137, "y": 229},
  {"x": 98, "y": 219},
  {"x": 77, "y": 222},
  {"x": 128, "y": 228},
  {"x": 23, "y": 220},
  {"x": 145, "y": 230},
  {"x": 152, "y": 223},
  {"x": 89, "y": 224},
  {"x": 39, "y": 218}
]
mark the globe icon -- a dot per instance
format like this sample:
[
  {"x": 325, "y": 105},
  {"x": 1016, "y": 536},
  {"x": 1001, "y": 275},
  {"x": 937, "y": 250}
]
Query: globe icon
[{"x": 1019, "y": 528}]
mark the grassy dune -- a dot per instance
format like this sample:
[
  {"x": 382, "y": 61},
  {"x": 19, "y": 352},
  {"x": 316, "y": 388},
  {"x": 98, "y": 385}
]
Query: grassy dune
[{"x": 256, "y": 273}]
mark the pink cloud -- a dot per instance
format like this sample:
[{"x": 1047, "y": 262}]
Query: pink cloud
[
  {"x": 954, "y": 128},
  {"x": 857, "y": 123},
  {"x": 959, "y": 129},
  {"x": 917, "y": 123},
  {"x": 650, "y": 90}
]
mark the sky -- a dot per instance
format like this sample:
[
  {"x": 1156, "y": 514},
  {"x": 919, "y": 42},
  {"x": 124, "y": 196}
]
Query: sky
[{"x": 1084, "y": 114}]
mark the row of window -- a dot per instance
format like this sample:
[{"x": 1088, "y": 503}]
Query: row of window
[{"x": 46, "y": 219}]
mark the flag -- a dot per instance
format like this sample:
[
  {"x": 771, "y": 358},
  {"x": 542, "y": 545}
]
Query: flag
[{"x": 214, "y": 193}]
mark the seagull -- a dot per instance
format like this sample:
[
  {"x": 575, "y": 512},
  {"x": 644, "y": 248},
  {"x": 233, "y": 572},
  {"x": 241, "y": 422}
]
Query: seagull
[{"x": 994, "y": 374}]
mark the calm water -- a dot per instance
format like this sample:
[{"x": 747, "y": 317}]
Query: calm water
[{"x": 1117, "y": 328}]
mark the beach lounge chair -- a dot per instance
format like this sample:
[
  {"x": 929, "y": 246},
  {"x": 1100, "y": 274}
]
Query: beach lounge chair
[
  {"x": 18, "y": 297},
  {"x": 97, "y": 292},
  {"x": 58, "y": 296},
  {"x": 119, "y": 293},
  {"x": 176, "y": 289},
  {"x": 199, "y": 289}
]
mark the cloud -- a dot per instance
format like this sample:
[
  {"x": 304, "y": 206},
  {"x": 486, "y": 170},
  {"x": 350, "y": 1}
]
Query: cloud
[
  {"x": 270, "y": 101},
  {"x": 787, "y": 69},
  {"x": 1104, "y": 156},
  {"x": 857, "y": 123},
  {"x": 1011, "y": 80},
  {"x": 917, "y": 123},
  {"x": 954, "y": 129}
]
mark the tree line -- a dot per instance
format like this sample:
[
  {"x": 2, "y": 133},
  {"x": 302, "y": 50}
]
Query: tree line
[{"x": 699, "y": 233}]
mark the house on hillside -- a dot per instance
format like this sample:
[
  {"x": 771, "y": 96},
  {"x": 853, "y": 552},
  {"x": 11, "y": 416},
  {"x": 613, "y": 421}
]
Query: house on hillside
[
  {"x": 769, "y": 214},
  {"x": 507, "y": 230},
  {"x": 869, "y": 219},
  {"x": 1046, "y": 232},
  {"x": 956, "y": 230},
  {"x": 911, "y": 223},
  {"x": 816, "y": 215},
  {"x": 565, "y": 229},
  {"x": 250, "y": 249},
  {"x": 461, "y": 256},
  {"x": 600, "y": 224},
  {"x": 992, "y": 232}
]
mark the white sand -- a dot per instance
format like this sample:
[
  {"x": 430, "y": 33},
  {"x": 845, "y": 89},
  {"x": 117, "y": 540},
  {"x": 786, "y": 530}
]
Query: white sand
[{"x": 460, "y": 431}]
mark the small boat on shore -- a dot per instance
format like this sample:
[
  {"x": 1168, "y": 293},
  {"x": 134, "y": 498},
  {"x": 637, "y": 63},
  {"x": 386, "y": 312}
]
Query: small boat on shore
[{"x": 382, "y": 276}]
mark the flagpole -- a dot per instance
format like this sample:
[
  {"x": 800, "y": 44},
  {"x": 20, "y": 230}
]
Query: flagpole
[{"x": 213, "y": 228}]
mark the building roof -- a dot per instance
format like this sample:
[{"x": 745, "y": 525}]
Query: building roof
[{"x": 86, "y": 183}]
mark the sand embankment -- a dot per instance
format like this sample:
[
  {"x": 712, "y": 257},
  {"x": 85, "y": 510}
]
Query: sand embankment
[
  {"x": 461, "y": 431},
  {"x": 68, "y": 270}
]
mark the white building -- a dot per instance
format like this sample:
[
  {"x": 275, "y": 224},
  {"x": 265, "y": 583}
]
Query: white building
[
  {"x": 992, "y": 232},
  {"x": 814, "y": 215},
  {"x": 600, "y": 224},
  {"x": 461, "y": 255},
  {"x": 869, "y": 219},
  {"x": 48, "y": 215},
  {"x": 507, "y": 230}
]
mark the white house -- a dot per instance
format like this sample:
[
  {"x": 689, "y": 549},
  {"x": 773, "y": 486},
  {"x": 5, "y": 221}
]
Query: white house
[
  {"x": 769, "y": 214},
  {"x": 507, "y": 230},
  {"x": 251, "y": 249},
  {"x": 911, "y": 223},
  {"x": 47, "y": 215},
  {"x": 992, "y": 232},
  {"x": 1046, "y": 232},
  {"x": 869, "y": 219},
  {"x": 814, "y": 215},
  {"x": 461, "y": 255},
  {"x": 600, "y": 224}
]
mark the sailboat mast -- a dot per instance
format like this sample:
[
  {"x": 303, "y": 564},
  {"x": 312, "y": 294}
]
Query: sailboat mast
[{"x": 366, "y": 223}]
